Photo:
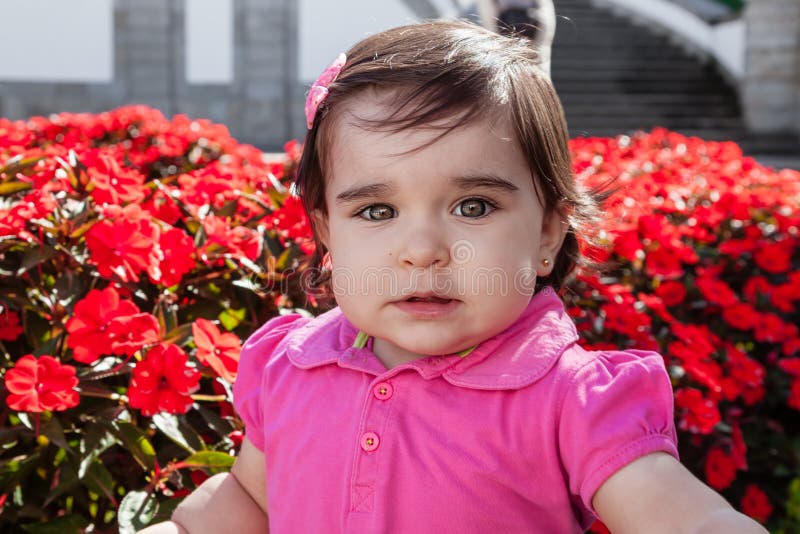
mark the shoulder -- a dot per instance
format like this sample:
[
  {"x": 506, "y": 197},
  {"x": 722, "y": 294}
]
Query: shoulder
[
  {"x": 578, "y": 366},
  {"x": 601, "y": 383},
  {"x": 296, "y": 338},
  {"x": 615, "y": 406},
  {"x": 260, "y": 348}
]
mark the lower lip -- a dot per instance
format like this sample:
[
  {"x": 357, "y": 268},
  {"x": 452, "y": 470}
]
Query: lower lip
[{"x": 428, "y": 310}]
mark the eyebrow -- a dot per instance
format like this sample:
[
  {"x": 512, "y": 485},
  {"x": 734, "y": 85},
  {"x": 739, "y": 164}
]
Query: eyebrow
[
  {"x": 485, "y": 180},
  {"x": 361, "y": 192}
]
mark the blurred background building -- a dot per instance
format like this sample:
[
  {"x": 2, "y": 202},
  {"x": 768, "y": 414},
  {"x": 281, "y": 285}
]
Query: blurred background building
[{"x": 720, "y": 69}]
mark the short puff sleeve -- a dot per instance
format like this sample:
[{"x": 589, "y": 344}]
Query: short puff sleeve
[
  {"x": 618, "y": 407},
  {"x": 248, "y": 387}
]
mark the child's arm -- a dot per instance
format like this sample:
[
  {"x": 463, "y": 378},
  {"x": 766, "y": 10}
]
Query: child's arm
[
  {"x": 657, "y": 494},
  {"x": 229, "y": 502}
]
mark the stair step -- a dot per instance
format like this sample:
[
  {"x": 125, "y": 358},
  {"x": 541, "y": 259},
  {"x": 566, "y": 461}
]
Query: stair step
[
  {"x": 616, "y": 76},
  {"x": 657, "y": 99},
  {"x": 724, "y": 123},
  {"x": 673, "y": 65},
  {"x": 636, "y": 86},
  {"x": 654, "y": 110},
  {"x": 599, "y": 75}
]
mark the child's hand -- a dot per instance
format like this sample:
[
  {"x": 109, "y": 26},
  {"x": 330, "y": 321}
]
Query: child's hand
[{"x": 657, "y": 494}]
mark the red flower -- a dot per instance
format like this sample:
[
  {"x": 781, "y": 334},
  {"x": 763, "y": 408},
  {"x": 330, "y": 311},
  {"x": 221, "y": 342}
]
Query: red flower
[
  {"x": 775, "y": 258},
  {"x": 163, "y": 382},
  {"x": 130, "y": 333},
  {"x": 720, "y": 469},
  {"x": 755, "y": 288},
  {"x": 123, "y": 248},
  {"x": 697, "y": 414},
  {"x": 663, "y": 262},
  {"x": 163, "y": 207},
  {"x": 114, "y": 184},
  {"x": 217, "y": 350},
  {"x": 755, "y": 503},
  {"x": 238, "y": 241},
  {"x": 625, "y": 319},
  {"x": 37, "y": 385},
  {"x": 9, "y": 326},
  {"x": 178, "y": 251},
  {"x": 715, "y": 290},
  {"x": 794, "y": 394},
  {"x": 291, "y": 219},
  {"x": 671, "y": 292},
  {"x": 89, "y": 336},
  {"x": 742, "y": 315},
  {"x": 770, "y": 327}
]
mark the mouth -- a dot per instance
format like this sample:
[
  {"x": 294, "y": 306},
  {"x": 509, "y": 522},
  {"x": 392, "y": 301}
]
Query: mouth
[
  {"x": 427, "y": 306},
  {"x": 430, "y": 298}
]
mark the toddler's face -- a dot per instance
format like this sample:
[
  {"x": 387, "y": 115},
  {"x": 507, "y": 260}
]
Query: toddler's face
[{"x": 433, "y": 250}]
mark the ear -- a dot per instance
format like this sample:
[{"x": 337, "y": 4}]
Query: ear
[
  {"x": 320, "y": 222},
  {"x": 554, "y": 230}
]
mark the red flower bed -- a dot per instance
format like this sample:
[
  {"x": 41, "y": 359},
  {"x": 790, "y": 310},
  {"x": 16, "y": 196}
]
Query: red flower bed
[
  {"x": 703, "y": 255},
  {"x": 137, "y": 252}
]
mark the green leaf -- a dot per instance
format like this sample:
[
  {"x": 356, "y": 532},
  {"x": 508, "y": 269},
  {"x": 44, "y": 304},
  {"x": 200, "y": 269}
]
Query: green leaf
[
  {"x": 67, "y": 479},
  {"x": 55, "y": 433},
  {"x": 283, "y": 260},
  {"x": 178, "y": 431},
  {"x": 95, "y": 441},
  {"x": 14, "y": 470},
  {"x": 217, "y": 462},
  {"x": 179, "y": 335},
  {"x": 228, "y": 210},
  {"x": 99, "y": 480},
  {"x": 136, "y": 511},
  {"x": 135, "y": 441},
  {"x": 36, "y": 255},
  {"x": 165, "y": 510},
  {"x": 231, "y": 318},
  {"x": 66, "y": 524},
  {"x": 215, "y": 422},
  {"x": 9, "y": 188},
  {"x": 17, "y": 164}
]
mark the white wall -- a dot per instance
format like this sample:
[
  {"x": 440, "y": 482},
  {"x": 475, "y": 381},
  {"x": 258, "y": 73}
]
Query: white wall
[
  {"x": 209, "y": 41},
  {"x": 56, "y": 40},
  {"x": 328, "y": 27}
]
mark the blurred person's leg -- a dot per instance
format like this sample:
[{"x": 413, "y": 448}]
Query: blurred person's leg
[{"x": 534, "y": 19}]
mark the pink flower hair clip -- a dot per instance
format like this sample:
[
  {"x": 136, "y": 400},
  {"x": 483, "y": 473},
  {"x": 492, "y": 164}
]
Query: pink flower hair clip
[{"x": 319, "y": 89}]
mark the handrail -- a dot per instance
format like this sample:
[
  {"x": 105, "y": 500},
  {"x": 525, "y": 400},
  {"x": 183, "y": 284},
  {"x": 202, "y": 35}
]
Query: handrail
[{"x": 725, "y": 41}]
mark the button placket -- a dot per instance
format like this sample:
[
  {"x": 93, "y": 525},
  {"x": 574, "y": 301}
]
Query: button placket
[{"x": 372, "y": 439}]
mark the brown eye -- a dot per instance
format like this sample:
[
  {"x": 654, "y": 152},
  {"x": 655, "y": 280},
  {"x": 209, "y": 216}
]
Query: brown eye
[
  {"x": 377, "y": 212},
  {"x": 473, "y": 207}
]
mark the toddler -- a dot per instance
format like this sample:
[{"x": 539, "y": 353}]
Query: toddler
[{"x": 446, "y": 392}]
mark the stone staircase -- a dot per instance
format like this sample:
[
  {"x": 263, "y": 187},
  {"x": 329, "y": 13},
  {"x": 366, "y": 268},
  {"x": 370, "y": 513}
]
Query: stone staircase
[{"x": 614, "y": 76}]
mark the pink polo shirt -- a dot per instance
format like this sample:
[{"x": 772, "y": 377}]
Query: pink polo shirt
[{"x": 515, "y": 437}]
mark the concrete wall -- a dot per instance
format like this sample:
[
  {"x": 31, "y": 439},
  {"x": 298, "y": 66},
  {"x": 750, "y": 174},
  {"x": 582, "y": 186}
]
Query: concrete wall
[
  {"x": 148, "y": 45},
  {"x": 771, "y": 88},
  {"x": 244, "y": 63}
]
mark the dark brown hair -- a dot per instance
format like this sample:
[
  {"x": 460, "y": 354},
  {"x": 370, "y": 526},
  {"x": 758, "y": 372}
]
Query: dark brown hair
[{"x": 453, "y": 72}]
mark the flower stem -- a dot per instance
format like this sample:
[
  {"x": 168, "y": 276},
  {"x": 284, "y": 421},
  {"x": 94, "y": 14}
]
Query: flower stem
[{"x": 209, "y": 398}]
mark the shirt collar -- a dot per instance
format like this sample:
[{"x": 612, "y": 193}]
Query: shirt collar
[{"x": 514, "y": 358}]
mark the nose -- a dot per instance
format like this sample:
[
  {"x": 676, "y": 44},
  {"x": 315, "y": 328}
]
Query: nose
[{"x": 424, "y": 247}]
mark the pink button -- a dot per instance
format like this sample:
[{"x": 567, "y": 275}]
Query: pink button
[
  {"x": 370, "y": 441},
  {"x": 383, "y": 391}
]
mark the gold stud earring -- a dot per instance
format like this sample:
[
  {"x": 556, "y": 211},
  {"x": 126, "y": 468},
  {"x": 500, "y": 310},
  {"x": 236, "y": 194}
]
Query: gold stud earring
[{"x": 546, "y": 262}]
